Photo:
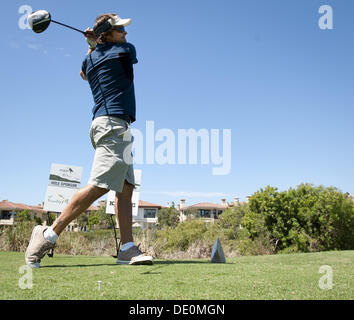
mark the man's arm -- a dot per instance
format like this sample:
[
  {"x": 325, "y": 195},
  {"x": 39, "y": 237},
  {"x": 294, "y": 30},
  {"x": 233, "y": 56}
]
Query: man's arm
[
  {"x": 91, "y": 39},
  {"x": 83, "y": 76}
]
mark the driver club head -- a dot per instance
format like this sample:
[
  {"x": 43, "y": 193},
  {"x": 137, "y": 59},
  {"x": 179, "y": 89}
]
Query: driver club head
[{"x": 39, "y": 20}]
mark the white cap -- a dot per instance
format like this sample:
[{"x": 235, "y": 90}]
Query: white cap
[
  {"x": 118, "y": 21},
  {"x": 115, "y": 21}
]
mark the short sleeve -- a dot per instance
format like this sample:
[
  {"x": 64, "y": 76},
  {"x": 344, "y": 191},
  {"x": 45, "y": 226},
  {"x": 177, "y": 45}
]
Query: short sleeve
[{"x": 132, "y": 52}]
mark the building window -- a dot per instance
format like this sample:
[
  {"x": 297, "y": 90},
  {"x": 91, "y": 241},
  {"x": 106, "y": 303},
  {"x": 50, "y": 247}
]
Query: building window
[
  {"x": 204, "y": 213},
  {"x": 149, "y": 213},
  {"x": 5, "y": 215}
]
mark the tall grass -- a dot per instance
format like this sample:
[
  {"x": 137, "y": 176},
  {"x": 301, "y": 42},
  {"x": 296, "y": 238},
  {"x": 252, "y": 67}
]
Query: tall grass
[
  {"x": 99, "y": 242},
  {"x": 189, "y": 240},
  {"x": 16, "y": 238}
]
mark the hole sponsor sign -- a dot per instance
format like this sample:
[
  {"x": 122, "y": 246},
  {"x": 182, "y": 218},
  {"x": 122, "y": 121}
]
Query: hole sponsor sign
[
  {"x": 64, "y": 180},
  {"x": 135, "y": 197}
]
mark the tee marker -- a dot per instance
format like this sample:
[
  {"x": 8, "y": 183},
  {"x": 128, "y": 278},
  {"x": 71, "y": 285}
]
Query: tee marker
[{"x": 217, "y": 254}]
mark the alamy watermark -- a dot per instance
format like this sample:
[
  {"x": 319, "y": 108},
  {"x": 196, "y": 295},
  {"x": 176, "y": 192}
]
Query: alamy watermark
[
  {"x": 26, "y": 281},
  {"x": 186, "y": 146},
  {"x": 326, "y": 20},
  {"x": 25, "y": 10},
  {"x": 326, "y": 281}
]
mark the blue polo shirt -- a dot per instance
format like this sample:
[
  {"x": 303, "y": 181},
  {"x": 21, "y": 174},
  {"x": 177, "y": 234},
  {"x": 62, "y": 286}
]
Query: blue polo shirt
[{"x": 109, "y": 70}]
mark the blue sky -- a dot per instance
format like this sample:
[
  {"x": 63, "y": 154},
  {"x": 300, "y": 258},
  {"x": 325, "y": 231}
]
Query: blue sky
[{"x": 263, "y": 69}]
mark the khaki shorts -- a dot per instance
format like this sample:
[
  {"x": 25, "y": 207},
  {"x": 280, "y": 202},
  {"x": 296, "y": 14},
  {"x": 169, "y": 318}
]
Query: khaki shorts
[{"x": 113, "y": 163}]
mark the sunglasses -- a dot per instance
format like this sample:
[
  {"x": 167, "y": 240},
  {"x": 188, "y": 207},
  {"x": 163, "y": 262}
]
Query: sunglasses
[{"x": 121, "y": 29}]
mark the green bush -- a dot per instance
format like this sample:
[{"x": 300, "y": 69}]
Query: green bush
[
  {"x": 230, "y": 221},
  {"x": 16, "y": 238},
  {"x": 105, "y": 219},
  {"x": 228, "y": 226},
  {"x": 50, "y": 218},
  {"x": 259, "y": 246},
  {"x": 168, "y": 217},
  {"x": 304, "y": 219},
  {"x": 93, "y": 220},
  {"x": 197, "y": 233},
  {"x": 183, "y": 235},
  {"x": 38, "y": 220},
  {"x": 24, "y": 215}
]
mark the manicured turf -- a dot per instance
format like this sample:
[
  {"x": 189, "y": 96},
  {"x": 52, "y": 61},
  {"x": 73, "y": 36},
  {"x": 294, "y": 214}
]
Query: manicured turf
[{"x": 293, "y": 276}]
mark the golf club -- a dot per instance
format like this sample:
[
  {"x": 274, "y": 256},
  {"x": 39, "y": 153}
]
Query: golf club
[{"x": 40, "y": 20}]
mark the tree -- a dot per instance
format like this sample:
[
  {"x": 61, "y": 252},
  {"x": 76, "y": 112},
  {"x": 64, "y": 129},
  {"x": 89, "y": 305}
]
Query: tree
[
  {"x": 37, "y": 220},
  {"x": 230, "y": 220},
  {"x": 304, "y": 219},
  {"x": 232, "y": 217},
  {"x": 192, "y": 213},
  {"x": 82, "y": 220},
  {"x": 93, "y": 220},
  {"x": 183, "y": 235},
  {"x": 50, "y": 218},
  {"x": 24, "y": 215},
  {"x": 103, "y": 216},
  {"x": 168, "y": 217}
]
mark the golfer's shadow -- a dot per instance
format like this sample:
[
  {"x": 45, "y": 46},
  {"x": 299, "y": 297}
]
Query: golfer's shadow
[
  {"x": 165, "y": 263},
  {"x": 181, "y": 262},
  {"x": 152, "y": 270},
  {"x": 78, "y": 265},
  {"x": 158, "y": 264}
]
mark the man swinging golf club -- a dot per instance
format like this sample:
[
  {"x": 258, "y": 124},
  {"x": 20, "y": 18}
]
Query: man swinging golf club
[{"x": 108, "y": 67}]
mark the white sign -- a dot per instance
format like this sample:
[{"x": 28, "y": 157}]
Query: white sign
[
  {"x": 63, "y": 182},
  {"x": 135, "y": 198}
]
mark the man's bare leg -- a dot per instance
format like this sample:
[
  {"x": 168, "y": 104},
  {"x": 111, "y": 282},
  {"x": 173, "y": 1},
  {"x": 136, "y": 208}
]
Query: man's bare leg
[
  {"x": 123, "y": 206},
  {"x": 79, "y": 203},
  {"x": 123, "y": 209}
]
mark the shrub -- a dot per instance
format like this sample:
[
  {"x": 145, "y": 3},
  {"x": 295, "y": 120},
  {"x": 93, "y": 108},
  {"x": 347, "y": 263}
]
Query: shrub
[
  {"x": 103, "y": 216},
  {"x": 37, "y": 220},
  {"x": 93, "y": 220},
  {"x": 50, "y": 218},
  {"x": 168, "y": 217},
  {"x": 304, "y": 219},
  {"x": 24, "y": 215},
  {"x": 16, "y": 238},
  {"x": 230, "y": 221},
  {"x": 183, "y": 235},
  {"x": 259, "y": 246}
]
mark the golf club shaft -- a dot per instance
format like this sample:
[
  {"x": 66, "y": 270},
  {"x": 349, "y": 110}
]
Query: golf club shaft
[{"x": 65, "y": 25}]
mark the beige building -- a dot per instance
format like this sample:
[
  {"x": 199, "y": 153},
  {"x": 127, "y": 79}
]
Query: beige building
[
  {"x": 10, "y": 210},
  {"x": 147, "y": 214},
  {"x": 207, "y": 210}
]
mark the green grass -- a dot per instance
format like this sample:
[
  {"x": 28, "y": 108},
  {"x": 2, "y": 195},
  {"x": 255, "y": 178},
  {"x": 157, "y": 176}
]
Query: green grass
[{"x": 292, "y": 276}]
